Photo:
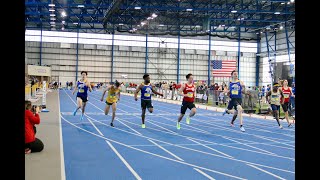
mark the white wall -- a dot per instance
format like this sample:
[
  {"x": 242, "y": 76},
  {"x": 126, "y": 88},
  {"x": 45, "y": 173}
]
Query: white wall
[{"x": 130, "y": 53}]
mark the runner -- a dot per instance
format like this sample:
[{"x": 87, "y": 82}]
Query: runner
[
  {"x": 287, "y": 92},
  {"x": 236, "y": 87},
  {"x": 188, "y": 92},
  {"x": 112, "y": 99},
  {"x": 82, "y": 95},
  {"x": 146, "y": 88},
  {"x": 275, "y": 94}
]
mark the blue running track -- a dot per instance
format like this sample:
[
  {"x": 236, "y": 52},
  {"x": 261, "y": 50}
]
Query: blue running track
[{"x": 208, "y": 148}]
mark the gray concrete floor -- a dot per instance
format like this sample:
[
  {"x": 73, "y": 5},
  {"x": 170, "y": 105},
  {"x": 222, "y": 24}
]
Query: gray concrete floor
[{"x": 46, "y": 165}]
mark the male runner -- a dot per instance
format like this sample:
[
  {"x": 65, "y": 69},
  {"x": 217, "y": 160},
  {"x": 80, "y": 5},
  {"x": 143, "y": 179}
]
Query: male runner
[
  {"x": 146, "y": 88},
  {"x": 82, "y": 95},
  {"x": 287, "y": 92},
  {"x": 276, "y": 95},
  {"x": 188, "y": 92},
  {"x": 235, "y": 91},
  {"x": 112, "y": 98}
]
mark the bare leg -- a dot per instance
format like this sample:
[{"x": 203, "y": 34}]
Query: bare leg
[
  {"x": 114, "y": 108},
  {"x": 239, "y": 109},
  {"x": 106, "y": 109},
  {"x": 143, "y": 115},
  {"x": 180, "y": 117},
  {"x": 193, "y": 112}
]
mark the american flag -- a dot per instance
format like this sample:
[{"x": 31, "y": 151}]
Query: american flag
[{"x": 223, "y": 68}]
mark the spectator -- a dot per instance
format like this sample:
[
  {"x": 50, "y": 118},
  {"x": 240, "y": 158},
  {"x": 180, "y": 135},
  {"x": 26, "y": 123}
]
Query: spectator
[{"x": 32, "y": 144}]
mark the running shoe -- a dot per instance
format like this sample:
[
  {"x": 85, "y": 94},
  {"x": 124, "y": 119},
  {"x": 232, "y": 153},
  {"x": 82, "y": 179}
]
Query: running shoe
[
  {"x": 75, "y": 112},
  {"x": 143, "y": 126},
  {"x": 27, "y": 151},
  {"x": 81, "y": 117},
  {"x": 188, "y": 120},
  {"x": 232, "y": 125},
  {"x": 225, "y": 112},
  {"x": 242, "y": 129},
  {"x": 280, "y": 127},
  {"x": 111, "y": 124},
  {"x": 178, "y": 125}
]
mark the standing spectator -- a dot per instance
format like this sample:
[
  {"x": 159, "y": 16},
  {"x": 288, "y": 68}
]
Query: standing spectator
[{"x": 32, "y": 144}]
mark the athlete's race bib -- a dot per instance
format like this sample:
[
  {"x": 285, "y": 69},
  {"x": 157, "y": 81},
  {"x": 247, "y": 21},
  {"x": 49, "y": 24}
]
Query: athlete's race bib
[
  {"x": 234, "y": 92},
  {"x": 286, "y": 96},
  {"x": 275, "y": 97},
  {"x": 81, "y": 90},
  {"x": 190, "y": 94},
  {"x": 112, "y": 96},
  {"x": 146, "y": 94}
]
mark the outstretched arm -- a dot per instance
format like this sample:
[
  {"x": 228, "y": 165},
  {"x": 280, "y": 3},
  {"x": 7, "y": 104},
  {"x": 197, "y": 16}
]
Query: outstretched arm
[
  {"x": 104, "y": 92},
  {"x": 137, "y": 91},
  {"x": 74, "y": 90},
  {"x": 154, "y": 91}
]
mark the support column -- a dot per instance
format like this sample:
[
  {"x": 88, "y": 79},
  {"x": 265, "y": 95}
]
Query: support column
[
  {"x": 77, "y": 55},
  {"x": 258, "y": 60},
  {"x": 270, "y": 66},
  {"x": 178, "y": 61},
  {"x": 288, "y": 46},
  {"x": 146, "y": 62},
  {"x": 112, "y": 56},
  {"x": 40, "y": 61},
  {"x": 209, "y": 60},
  {"x": 239, "y": 53}
]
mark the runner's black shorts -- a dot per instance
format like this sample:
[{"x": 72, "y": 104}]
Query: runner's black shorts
[
  {"x": 83, "y": 98},
  {"x": 146, "y": 104},
  {"x": 234, "y": 102},
  {"x": 285, "y": 106},
  {"x": 185, "y": 105}
]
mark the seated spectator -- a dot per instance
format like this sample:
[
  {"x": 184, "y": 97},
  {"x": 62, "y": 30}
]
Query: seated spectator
[{"x": 31, "y": 118}]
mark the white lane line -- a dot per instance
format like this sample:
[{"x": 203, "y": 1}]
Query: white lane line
[
  {"x": 216, "y": 155},
  {"x": 112, "y": 147},
  {"x": 128, "y": 126},
  {"x": 210, "y": 148},
  {"x": 276, "y": 141},
  {"x": 124, "y": 161},
  {"x": 163, "y": 128},
  {"x": 177, "y": 157},
  {"x": 249, "y": 146},
  {"x": 266, "y": 172},
  {"x": 147, "y": 152},
  {"x": 206, "y": 175},
  {"x": 63, "y": 171}
]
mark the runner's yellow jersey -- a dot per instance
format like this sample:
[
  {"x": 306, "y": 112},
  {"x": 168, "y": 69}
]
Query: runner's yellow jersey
[{"x": 112, "y": 95}]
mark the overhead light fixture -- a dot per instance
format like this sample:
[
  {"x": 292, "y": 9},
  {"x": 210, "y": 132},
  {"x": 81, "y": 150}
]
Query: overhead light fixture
[
  {"x": 63, "y": 14},
  {"x": 120, "y": 24},
  {"x": 161, "y": 25},
  {"x": 137, "y": 7},
  {"x": 208, "y": 30},
  {"x": 242, "y": 19},
  {"x": 268, "y": 27},
  {"x": 261, "y": 32},
  {"x": 52, "y": 15},
  {"x": 52, "y": 22},
  {"x": 52, "y": 5},
  {"x": 223, "y": 25},
  {"x": 234, "y": 11},
  {"x": 277, "y": 13},
  {"x": 238, "y": 19},
  {"x": 288, "y": 3},
  {"x": 51, "y": 10},
  {"x": 282, "y": 3},
  {"x": 139, "y": 25},
  {"x": 257, "y": 33},
  {"x": 154, "y": 15},
  {"x": 149, "y": 18},
  {"x": 188, "y": 9},
  {"x": 63, "y": 22},
  {"x": 62, "y": 28},
  {"x": 75, "y": 23},
  {"x": 80, "y": 6},
  {"x": 281, "y": 27},
  {"x": 143, "y": 23},
  {"x": 52, "y": 18},
  {"x": 292, "y": 1},
  {"x": 197, "y": 26}
]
